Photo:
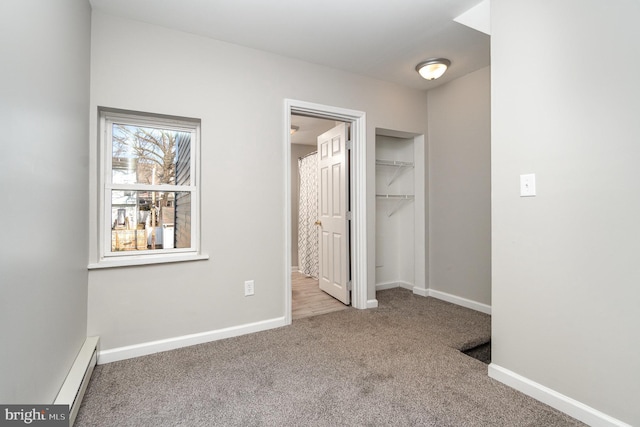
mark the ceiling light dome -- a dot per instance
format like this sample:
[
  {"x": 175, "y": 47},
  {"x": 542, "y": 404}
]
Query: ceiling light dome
[{"x": 433, "y": 68}]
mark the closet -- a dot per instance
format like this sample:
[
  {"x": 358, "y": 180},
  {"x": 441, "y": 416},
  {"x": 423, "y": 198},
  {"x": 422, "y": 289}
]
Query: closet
[{"x": 400, "y": 225}]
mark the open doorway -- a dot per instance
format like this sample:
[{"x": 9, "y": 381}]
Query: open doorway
[
  {"x": 308, "y": 297},
  {"x": 355, "y": 203}
]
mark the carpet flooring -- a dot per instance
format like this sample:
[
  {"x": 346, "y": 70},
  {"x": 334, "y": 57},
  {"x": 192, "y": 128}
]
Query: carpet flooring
[{"x": 400, "y": 364}]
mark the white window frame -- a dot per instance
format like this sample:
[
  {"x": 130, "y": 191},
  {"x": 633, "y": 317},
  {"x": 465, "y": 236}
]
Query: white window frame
[{"x": 107, "y": 258}]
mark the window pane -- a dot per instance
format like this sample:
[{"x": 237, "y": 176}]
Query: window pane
[
  {"x": 150, "y": 220},
  {"x": 146, "y": 155}
]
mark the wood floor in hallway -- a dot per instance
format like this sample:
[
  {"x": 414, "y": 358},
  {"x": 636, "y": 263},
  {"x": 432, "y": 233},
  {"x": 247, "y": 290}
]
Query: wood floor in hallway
[{"x": 308, "y": 300}]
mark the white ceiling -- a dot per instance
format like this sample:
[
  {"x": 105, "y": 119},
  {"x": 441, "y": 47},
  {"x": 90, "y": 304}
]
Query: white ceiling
[
  {"x": 309, "y": 129},
  {"x": 384, "y": 39}
]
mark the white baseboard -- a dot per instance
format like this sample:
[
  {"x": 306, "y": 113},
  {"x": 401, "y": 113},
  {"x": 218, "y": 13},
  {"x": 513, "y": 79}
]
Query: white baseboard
[
  {"x": 393, "y": 285},
  {"x": 372, "y": 303},
  {"x": 75, "y": 384},
  {"x": 385, "y": 286},
  {"x": 295, "y": 269},
  {"x": 406, "y": 285},
  {"x": 556, "y": 400},
  {"x": 425, "y": 292},
  {"x": 137, "y": 350},
  {"x": 474, "y": 305}
]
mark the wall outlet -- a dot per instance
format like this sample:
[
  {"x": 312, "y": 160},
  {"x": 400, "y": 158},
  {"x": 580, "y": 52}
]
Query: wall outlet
[{"x": 248, "y": 288}]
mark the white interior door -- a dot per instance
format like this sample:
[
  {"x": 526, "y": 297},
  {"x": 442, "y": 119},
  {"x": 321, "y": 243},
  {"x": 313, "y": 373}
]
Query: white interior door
[{"x": 333, "y": 206}]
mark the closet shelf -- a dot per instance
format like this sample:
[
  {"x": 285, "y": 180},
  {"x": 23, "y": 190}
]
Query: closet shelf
[
  {"x": 393, "y": 163},
  {"x": 395, "y": 196},
  {"x": 401, "y": 198},
  {"x": 400, "y": 167}
]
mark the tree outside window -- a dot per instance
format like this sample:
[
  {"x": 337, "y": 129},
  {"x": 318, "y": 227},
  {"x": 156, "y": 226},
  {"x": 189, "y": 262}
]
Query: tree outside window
[{"x": 149, "y": 190}]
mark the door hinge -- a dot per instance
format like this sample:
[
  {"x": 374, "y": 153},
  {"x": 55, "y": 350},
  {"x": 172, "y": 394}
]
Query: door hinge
[
  {"x": 349, "y": 285},
  {"x": 349, "y": 145},
  {"x": 349, "y": 216}
]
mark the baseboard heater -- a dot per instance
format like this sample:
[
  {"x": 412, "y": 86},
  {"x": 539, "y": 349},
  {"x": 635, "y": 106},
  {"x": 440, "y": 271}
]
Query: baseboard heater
[{"x": 75, "y": 384}]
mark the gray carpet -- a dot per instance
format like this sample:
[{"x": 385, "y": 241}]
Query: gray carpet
[{"x": 399, "y": 364}]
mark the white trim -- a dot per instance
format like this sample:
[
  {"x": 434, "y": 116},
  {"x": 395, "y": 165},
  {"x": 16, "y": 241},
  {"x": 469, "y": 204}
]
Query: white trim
[
  {"x": 423, "y": 292},
  {"x": 107, "y": 117},
  {"x": 295, "y": 269},
  {"x": 146, "y": 260},
  {"x": 359, "y": 242},
  {"x": 372, "y": 303},
  {"x": 358, "y": 198},
  {"x": 556, "y": 400},
  {"x": 75, "y": 384},
  {"x": 143, "y": 349},
  {"x": 405, "y": 285},
  {"x": 474, "y": 305},
  {"x": 393, "y": 285},
  {"x": 421, "y": 210},
  {"x": 287, "y": 213},
  {"x": 385, "y": 286}
]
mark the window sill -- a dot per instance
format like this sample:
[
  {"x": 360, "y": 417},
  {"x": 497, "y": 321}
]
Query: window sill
[{"x": 146, "y": 260}]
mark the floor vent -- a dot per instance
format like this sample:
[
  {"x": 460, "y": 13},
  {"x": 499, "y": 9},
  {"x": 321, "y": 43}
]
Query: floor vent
[
  {"x": 75, "y": 384},
  {"x": 481, "y": 352}
]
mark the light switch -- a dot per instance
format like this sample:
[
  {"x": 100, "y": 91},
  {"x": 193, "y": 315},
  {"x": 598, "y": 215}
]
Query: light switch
[
  {"x": 528, "y": 185},
  {"x": 249, "y": 288}
]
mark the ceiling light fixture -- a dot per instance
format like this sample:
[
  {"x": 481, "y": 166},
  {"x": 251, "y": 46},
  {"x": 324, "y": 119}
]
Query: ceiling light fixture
[
  {"x": 433, "y": 68},
  {"x": 294, "y": 129}
]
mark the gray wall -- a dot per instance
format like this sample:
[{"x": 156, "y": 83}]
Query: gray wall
[
  {"x": 44, "y": 101},
  {"x": 566, "y": 275},
  {"x": 460, "y": 187},
  {"x": 242, "y": 172},
  {"x": 297, "y": 150}
]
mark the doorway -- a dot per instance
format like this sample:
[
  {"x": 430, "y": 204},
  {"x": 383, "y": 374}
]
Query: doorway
[
  {"x": 401, "y": 234},
  {"x": 313, "y": 292},
  {"x": 357, "y": 199}
]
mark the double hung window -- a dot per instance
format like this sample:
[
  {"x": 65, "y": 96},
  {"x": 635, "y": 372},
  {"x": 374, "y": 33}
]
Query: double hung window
[{"x": 149, "y": 185}]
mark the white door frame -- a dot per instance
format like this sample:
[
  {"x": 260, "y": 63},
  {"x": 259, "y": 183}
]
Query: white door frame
[{"x": 358, "y": 195}]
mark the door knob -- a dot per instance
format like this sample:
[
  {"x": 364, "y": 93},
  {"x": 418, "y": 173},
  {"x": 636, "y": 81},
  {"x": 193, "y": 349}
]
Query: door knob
[{"x": 318, "y": 222}]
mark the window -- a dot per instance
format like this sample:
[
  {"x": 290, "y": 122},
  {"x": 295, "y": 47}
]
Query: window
[{"x": 149, "y": 185}]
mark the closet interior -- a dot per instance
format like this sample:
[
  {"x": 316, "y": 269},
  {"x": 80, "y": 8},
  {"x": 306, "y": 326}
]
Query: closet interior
[{"x": 399, "y": 207}]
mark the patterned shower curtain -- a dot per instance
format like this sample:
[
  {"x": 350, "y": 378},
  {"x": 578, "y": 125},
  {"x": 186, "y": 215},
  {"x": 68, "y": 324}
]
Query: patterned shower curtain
[{"x": 307, "y": 215}]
